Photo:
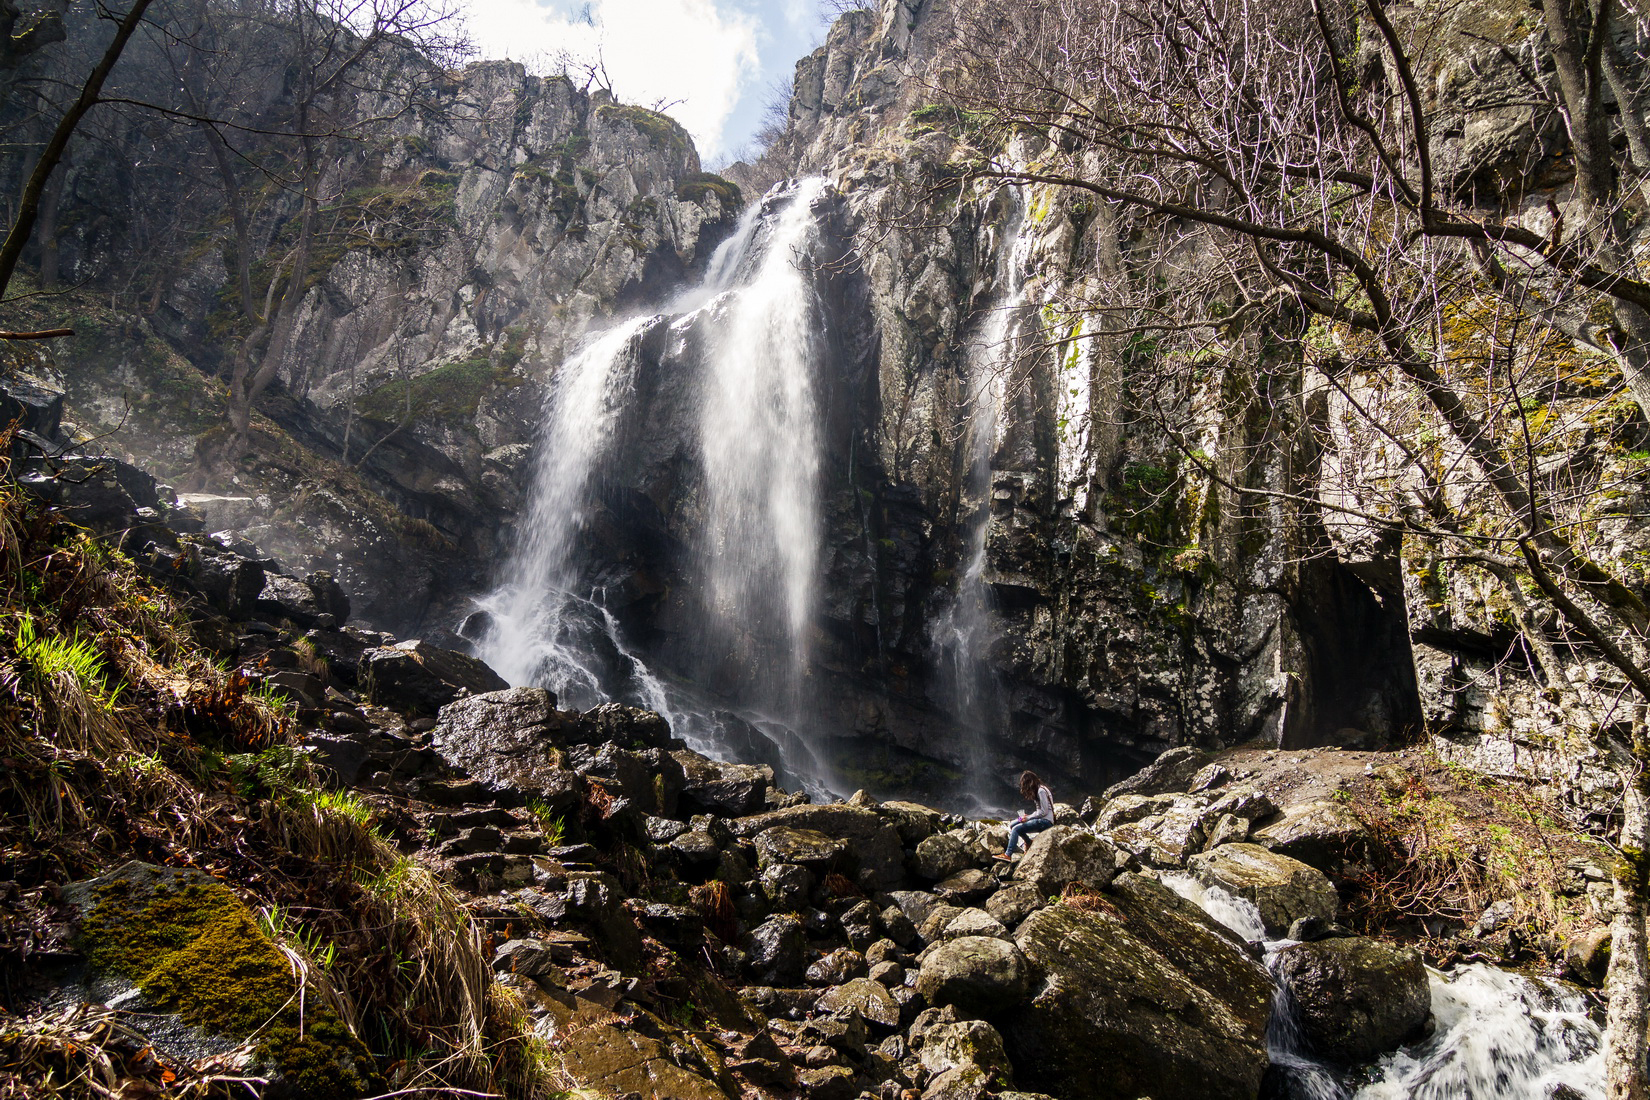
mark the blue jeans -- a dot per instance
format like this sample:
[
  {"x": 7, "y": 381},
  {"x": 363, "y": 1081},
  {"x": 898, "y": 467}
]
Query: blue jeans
[{"x": 1022, "y": 831}]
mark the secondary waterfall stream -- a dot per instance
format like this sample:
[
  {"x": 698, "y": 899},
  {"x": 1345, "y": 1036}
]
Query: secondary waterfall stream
[
  {"x": 1497, "y": 1035},
  {"x": 964, "y": 633},
  {"x": 756, "y": 318}
]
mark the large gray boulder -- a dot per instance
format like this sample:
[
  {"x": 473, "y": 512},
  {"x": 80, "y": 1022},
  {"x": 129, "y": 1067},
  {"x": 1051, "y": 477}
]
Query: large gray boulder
[
  {"x": 1143, "y": 997},
  {"x": 715, "y": 787},
  {"x": 870, "y": 999},
  {"x": 1170, "y": 772},
  {"x": 1064, "y": 855},
  {"x": 873, "y": 842},
  {"x": 941, "y": 856},
  {"x": 1324, "y": 834},
  {"x": 980, "y": 975},
  {"x": 1283, "y": 889},
  {"x": 778, "y": 951},
  {"x": 1356, "y": 998},
  {"x": 508, "y": 741},
  {"x": 803, "y": 847},
  {"x": 415, "y": 675}
]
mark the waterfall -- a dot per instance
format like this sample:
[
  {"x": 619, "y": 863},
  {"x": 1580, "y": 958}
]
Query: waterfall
[
  {"x": 964, "y": 633},
  {"x": 756, "y": 322},
  {"x": 1497, "y": 1035},
  {"x": 759, "y": 547}
]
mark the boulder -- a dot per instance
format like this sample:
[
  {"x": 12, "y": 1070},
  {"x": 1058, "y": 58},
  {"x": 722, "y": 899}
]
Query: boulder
[
  {"x": 973, "y": 922},
  {"x": 1146, "y": 1001},
  {"x": 980, "y": 975},
  {"x": 1063, "y": 855},
  {"x": 786, "y": 885},
  {"x": 1172, "y": 771},
  {"x": 289, "y": 598},
  {"x": 942, "y": 856},
  {"x": 950, "y": 1044},
  {"x": 615, "y": 1061},
  {"x": 1283, "y": 889},
  {"x": 715, "y": 787},
  {"x": 778, "y": 948},
  {"x": 1587, "y": 957},
  {"x": 915, "y": 821},
  {"x": 417, "y": 676},
  {"x": 804, "y": 847},
  {"x": 649, "y": 778},
  {"x": 1129, "y": 808},
  {"x": 866, "y": 996},
  {"x": 1014, "y": 902},
  {"x": 1355, "y": 998},
  {"x": 1230, "y": 829},
  {"x": 873, "y": 842},
  {"x": 506, "y": 740},
  {"x": 1326, "y": 835},
  {"x": 629, "y": 727},
  {"x": 196, "y": 977},
  {"x": 842, "y": 965},
  {"x": 966, "y": 887}
]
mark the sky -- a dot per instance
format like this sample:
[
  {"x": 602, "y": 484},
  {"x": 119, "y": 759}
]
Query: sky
[{"x": 716, "y": 61}]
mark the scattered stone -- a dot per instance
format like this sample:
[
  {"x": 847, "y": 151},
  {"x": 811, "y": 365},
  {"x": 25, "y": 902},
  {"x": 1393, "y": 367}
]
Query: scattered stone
[
  {"x": 1208, "y": 778},
  {"x": 1587, "y": 957},
  {"x": 973, "y": 922},
  {"x": 1129, "y": 808},
  {"x": 715, "y": 787},
  {"x": 531, "y": 958}
]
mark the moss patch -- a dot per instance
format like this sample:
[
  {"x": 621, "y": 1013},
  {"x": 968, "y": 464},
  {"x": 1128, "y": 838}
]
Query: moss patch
[
  {"x": 695, "y": 187},
  {"x": 194, "y": 950},
  {"x": 661, "y": 130},
  {"x": 448, "y": 395}
]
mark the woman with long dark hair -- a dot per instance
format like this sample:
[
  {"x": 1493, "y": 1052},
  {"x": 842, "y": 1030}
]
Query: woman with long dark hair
[{"x": 1035, "y": 790}]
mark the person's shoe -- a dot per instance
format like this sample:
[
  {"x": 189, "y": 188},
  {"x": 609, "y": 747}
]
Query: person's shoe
[{"x": 1003, "y": 859}]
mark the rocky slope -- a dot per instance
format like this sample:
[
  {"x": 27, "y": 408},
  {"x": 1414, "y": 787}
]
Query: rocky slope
[{"x": 607, "y": 910}]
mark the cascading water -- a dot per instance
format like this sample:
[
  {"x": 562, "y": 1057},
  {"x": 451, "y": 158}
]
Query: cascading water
[
  {"x": 965, "y": 632},
  {"x": 759, "y": 547},
  {"x": 756, "y": 319},
  {"x": 1497, "y": 1035}
]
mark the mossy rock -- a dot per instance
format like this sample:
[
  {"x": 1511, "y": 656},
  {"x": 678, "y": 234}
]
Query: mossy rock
[
  {"x": 182, "y": 946},
  {"x": 695, "y": 187},
  {"x": 449, "y": 395},
  {"x": 662, "y": 130}
]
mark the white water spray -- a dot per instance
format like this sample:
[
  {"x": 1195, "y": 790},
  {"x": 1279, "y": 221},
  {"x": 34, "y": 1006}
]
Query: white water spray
[
  {"x": 1497, "y": 1035},
  {"x": 760, "y": 437}
]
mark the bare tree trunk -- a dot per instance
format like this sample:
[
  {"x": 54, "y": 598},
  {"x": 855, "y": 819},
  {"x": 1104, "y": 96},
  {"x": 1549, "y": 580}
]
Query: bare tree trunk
[
  {"x": 49, "y": 203},
  {"x": 28, "y": 206},
  {"x": 1625, "y": 1041}
]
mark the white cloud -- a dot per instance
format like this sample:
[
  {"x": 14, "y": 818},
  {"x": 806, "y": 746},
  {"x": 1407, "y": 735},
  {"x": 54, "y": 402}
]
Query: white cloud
[{"x": 690, "y": 51}]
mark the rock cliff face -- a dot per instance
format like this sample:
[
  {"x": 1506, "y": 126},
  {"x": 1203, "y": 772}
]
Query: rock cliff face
[{"x": 467, "y": 240}]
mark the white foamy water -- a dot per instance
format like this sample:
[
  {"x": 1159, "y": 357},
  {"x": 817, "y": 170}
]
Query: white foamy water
[
  {"x": 1497, "y": 1035},
  {"x": 759, "y": 431}
]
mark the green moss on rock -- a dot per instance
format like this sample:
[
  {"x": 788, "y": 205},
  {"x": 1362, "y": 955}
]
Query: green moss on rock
[
  {"x": 695, "y": 187},
  {"x": 194, "y": 950},
  {"x": 661, "y": 130}
]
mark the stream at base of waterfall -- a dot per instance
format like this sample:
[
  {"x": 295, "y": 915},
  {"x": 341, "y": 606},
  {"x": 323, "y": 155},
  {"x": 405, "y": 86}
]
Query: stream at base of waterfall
[{"x": 1496, "y": 1034}]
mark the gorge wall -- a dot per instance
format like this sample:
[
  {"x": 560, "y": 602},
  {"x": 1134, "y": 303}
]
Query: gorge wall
[{"x": 978, "y": 447}]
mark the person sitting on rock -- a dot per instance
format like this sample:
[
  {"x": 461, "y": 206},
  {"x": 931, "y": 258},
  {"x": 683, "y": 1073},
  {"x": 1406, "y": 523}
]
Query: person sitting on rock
[{"x": 1032, "y": 789}]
